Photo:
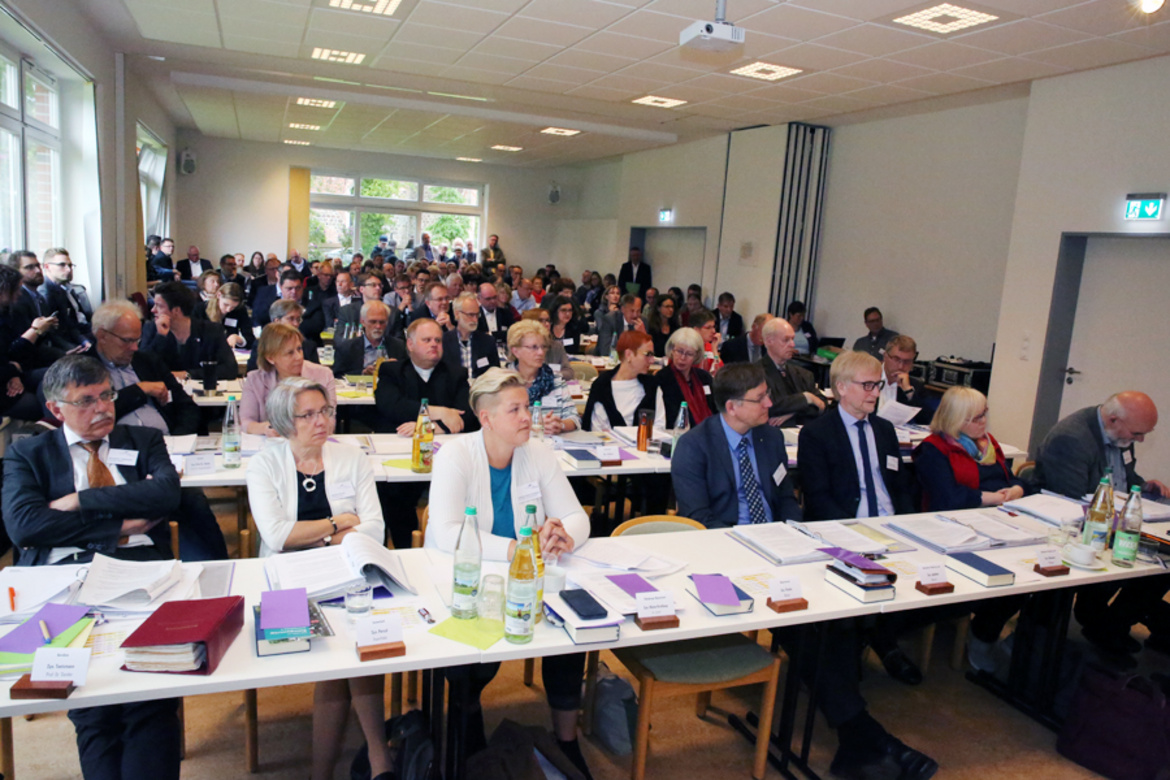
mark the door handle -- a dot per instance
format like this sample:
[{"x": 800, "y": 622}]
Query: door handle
[{"x": 1071, "y": 373}]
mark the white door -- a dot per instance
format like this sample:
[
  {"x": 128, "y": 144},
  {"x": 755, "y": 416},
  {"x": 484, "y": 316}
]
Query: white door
[
  {"x": 1121, "y": 335},
  {"x": 676, "y": 255}
]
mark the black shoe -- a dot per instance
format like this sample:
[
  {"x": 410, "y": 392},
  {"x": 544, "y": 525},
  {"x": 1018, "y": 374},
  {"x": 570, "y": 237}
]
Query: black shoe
[
  {"x": 1111, "y": 639},
  {"x": 901, "y": 668},
  {"x": 572, "y": 751},
  {"x": 891, "y": 760}
]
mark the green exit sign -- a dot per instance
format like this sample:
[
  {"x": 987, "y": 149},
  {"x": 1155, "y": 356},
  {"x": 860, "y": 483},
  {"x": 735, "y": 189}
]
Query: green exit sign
[{"x": 1144, "y": 206}]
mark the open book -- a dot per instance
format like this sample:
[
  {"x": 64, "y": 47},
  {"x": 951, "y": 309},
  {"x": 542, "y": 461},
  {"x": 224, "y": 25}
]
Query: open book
[
  {"x": 779, "y": 543},
  {"x": 134, "y": 585},
  {"x": 328, "y": 572}
]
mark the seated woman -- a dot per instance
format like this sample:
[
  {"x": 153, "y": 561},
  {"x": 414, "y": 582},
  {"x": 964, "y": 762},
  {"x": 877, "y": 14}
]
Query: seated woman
[
  {"x": 661, "y": 324},
  {"x": 617, "y": 395},
  {"x": 566, "y": 325},
  {"x": 499, "y": 470},
  {"x": 596, "y": 291},
  {"x": 208, "y": 285},
  {"x": 278, "y": 357},
  {"x": 704, "y": 323},
  {"x": 228, "y": 310},
  {"x": 806, "y": 335},
  {"x": 682, "y": 380},
  {"x": 608, "y": 303},
  {"x": 528, "y": 343},
  {"x": 308, "y": 492},
  {"x": 556, "y": 357}
]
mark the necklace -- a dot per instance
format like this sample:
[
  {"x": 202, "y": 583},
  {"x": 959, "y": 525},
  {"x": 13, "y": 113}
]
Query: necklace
[{"x": 309, "y": 484}]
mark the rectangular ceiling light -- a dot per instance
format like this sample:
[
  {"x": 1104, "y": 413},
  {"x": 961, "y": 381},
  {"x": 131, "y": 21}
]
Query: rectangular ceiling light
[
  {"x": 337, "y": 55},
  {"x": 562, "y": 131},
  {"x": 469, "y": 159},
  {"x": 502, "y": 148},
  {"x": 765, "y": 71},
  {"x": 659, "y": 102},
  {"x": 296, "y": 143},
  {"x": 316, "y": 103},
  {"x": 299, "y": 126},
  {"x": 945, "y": 19},
  {"x": 378, "y": 7}
]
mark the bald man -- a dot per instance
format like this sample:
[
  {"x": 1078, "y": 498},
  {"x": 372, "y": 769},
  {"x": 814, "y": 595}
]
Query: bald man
[
  {"x": 1071, "y": 460},
  {"x": 795, "y": 396}
]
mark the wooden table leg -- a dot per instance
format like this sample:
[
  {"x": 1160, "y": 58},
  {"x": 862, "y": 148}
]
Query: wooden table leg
[
  {"x": 245, "y": 533},
  {"x": 251, "y": 737},
  {"x": 7, "y": 759}
]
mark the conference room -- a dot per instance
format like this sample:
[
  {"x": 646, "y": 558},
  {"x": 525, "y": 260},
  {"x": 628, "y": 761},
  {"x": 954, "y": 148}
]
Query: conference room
[{"x": 974, "y": 184}]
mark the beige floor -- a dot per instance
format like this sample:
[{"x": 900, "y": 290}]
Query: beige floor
[{"x": 969, "y": 732}]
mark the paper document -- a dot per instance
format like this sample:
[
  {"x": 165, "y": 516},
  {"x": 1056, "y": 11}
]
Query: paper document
[
  {"x": 612, "y": 554},
  {"x": 1050, "y": 508},
  {"x": 838, "y": 534},
  {"x": 940, "y": 535},
  {"x": 180, "y": 445},
  {"x": 898, "y": 413},
  {"x": 111, "y": 582},
  {"x": 33, "y": 586},
  {"x": 998, "y": 527},
  {"x": 779, "y": 543},
  {"x": 330, "y": 571}
]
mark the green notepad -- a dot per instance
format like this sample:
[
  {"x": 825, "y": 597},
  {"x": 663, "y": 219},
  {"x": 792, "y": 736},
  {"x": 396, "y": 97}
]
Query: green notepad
[
  {"x": 480, "y": 634},
  {"x": 61, "y": 640}
]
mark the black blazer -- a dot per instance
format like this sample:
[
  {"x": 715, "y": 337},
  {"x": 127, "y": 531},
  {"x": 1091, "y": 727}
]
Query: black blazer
[
  {"x": 917, "y": 399},
  {"x": 736, "y": 350},
  {"x": 351, "y": 314},
  {"x": 601, "y": 392},
  {"x": 828, "y": 471},
  {"x": 320, "y": 312},
  {"x": 38, "y": 470},
  {"x": 1071, "y": 460},
  {"x": 181, "y": 414},
  {"x": 207, "y": 342},
  {"x": 504, "y": 321},
  {"x": 626, "y": 275},
  {"x": 787, "y": 391},
  {"x": 187, "y": 272},
  {"x": 164, "y": 266},
  {"x": 264, "y": 299},
  {"x": 704, "y": 475},
  {"x": 349, "y": 355},
  {"x": 308, "y": 348},
  {"x": 672, "y": 395},
  {"x": 401, "y": 390},
  {"x": 238, "y": 322},
  {"x": 71, "y": 330},
  {"x": 23, "y": 310},
  {"x": 734, "y": 324},
  {"x": 484, "y": 354},
  {"x": 573, "y": 331}
]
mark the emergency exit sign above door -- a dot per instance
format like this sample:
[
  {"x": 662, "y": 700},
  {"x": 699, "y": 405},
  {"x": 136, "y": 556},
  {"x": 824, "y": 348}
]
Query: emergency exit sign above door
[{"x": 1144, "y": 206}]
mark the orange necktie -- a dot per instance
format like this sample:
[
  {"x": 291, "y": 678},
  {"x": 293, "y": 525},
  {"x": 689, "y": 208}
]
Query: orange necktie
[{"x": 97, "y": 472}]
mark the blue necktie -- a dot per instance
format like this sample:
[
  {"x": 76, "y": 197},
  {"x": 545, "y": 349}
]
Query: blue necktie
[
  {"x": 870, "y": 489},
  {"x": 751, "y": 486}
]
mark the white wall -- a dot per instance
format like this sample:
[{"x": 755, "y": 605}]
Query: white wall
[{"x": 917, "y": 222}]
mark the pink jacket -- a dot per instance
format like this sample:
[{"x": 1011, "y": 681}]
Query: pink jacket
[{"x": 258, "y": 384}]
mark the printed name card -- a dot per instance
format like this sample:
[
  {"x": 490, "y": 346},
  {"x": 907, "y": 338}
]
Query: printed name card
[
  {"x": 656, "y": 603},
  {"x": 200, "y": 463},
  {"x": 608, "y": 453},
  {"x": 932, "y": 573},
  {"x": 784, "y": 589},
  {"x": 379, "y": 630},
  {"x": 52, "y": 664},
  {"x": 1048, "y": 557},
  {"x": 123, "y": 457}
]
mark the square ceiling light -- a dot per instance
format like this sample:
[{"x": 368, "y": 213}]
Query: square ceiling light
[
  {"x": 337, "y": 55},
  {"x": 299, "y": 126},
  {"x": 296, "y": 143},
  {"x": 945, "y": 18},
  {"x": 503, "y": 148},
  {"x": 659, "y": 102},
  {"x": 376, "y": 7},
  {"x": 561, "y": 131},
  {"x": 316, "y": 102},
  {"x": 765, "y": 71}
]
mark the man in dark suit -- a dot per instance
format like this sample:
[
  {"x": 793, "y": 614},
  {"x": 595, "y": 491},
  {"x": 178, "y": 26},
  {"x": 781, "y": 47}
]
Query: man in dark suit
[
  {"x": 30, "y": 312},
  {"x": 370, "y": 288},
  {"x": 749, "y": 347},
  {"x": 493, "y": 318},
  {"x": 66, "y": 300},
  {"x": 163, "y": 260},
  {"x": 728, "y": 321},
  {"x": 901, "y": 351},
  {"x": 192, "y": 265},
  {"x": 320, "y": 301},
  {"x": 185, "y": 344},
  {"x": 634, "y": 271},
  {"x": 879, "y": 335},
  {"x": 731, "y": 470},
  {"x": 93, "y": 487},
  {"x": 611, "y": 326},
  {"x": 465, "y": 347},
  {"x": 1071, "y": 460},
  {"x": 795, "y": 397},
  {"x": 435, "y": 305},
  {"x": 359, "y": 355}
]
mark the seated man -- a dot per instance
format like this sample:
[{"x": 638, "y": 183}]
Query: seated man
[
  {"x": 436, "y": 305},
  {"x": 1071, "y": 460},
  {"x": 749, "y": 347},
  {"x": 493, "y": 318},
  {"x": 522, "y": 297},
  {"x": 794, "y": 393},
  {"x": 901, "y": 352},
  {"x": 730, "y": 470},
  {"x": 290, "y": 313},
  {"x": 611, "y": 326},
  {"x": 183, "y": 343},
  {"x": 320, "y": 301},
  {"x": 359, "y": 355},
  {"x": 66, "y": 300},
  {"x": 65, "y": 500},
  {"x": 287, "y": 288},
  {"x": 728, "y": 321},
  {"x": 879, "y": 335},
  {"x": 467, "y": 347}
]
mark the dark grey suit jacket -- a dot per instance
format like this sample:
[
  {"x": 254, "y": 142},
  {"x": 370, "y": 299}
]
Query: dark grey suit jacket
[
  {"x": 788, "y": 391},
  {"x": 609, "y": 327},
  {"x": 1071, "y": 459}
]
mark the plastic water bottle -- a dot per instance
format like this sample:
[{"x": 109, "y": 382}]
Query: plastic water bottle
[
  {"x": 1099, "y": 520},
  {"x": 468, "y": 564},
  {"x": 681, "y": 426},
  {"x": 537, "y": 422},
  {"x": 520, "y": 604},
  {"x": 1129, "y": 530},
  {"x": 422, "y": 449},
  {"x": 530, "y": 522},
  {"x": 232, "y": 441}
]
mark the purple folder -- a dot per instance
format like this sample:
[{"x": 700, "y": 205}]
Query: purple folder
[
  {"x": 284, "y": 609},
  {"x": 632, "y": 584},
  {"x": 715, "y": 589},
  {"x": 27, "y": 637}
]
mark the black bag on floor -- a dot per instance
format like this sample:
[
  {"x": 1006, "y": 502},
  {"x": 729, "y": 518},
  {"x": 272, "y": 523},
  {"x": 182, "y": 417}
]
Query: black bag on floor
[
  {"x": 410, "y": 735},
  {"x": 511, "y": 755},
  {"x": 1118, "y": 726}
]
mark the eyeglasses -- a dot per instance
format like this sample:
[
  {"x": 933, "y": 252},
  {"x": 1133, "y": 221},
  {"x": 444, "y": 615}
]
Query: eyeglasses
[
  {"x": 325, "y": 413},
  {"x": 122, "y": 339},
  {"x": 869, "y": 387},
  {"x": 684, "y": 353},
  {"x": 61, "y": 265},
  {"x": 981, "y": 417},
  {"x": 88, "y": 402},
  {"x": 899, "y": 361},
  {"x": 746, "y": 400},
  {"x": 533, "y": 347}
]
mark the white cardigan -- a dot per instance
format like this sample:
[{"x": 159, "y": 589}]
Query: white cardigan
[
  {"x": 272, "y": 491},
  {"x": 461, "y": 479}
]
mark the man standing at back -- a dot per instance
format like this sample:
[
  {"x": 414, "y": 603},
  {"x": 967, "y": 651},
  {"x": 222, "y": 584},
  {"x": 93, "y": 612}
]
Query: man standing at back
[{"x": 634, "y": 271}]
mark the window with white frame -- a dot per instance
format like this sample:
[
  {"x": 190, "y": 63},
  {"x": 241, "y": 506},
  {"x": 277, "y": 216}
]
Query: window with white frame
[{"x": 348, "y": 213}]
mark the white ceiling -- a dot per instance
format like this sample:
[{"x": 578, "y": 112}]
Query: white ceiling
[{"x": 234, "y": 68}]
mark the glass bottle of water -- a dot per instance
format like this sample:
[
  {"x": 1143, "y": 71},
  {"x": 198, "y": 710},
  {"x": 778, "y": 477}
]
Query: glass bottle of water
[
  {"x": 232, "y": 440},
  {"x": 681, "y": 426},
  {"x": 468, "y": 564},
  {"x": 520, "y": 604},
  {"x": 1099, "y": 520},
  {"x": 537, "y": 422},
  {"x": 1129, "y": 530}
]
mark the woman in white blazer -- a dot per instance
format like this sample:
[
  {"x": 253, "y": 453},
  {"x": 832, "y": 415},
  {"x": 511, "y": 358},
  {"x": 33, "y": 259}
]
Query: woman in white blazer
[
  {"x": 499, "y": 471},
  {"x": 306, "y": 492}
]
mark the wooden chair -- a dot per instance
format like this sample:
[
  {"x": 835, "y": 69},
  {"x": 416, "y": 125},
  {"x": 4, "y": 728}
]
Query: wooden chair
[
  {"x": 694, "y": 667},
  {"x": 1025, "y": 470}
]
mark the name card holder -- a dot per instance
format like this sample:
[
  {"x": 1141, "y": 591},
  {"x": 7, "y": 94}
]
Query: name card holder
[
  {"x": 932, "y": 580},
  {"x": 1051, "y": 571},
  {"x": 935, "y": 588},
  {"x": 25, "y": 688},
  {"x": 379, "y": 637},
  {"x": 787, "y": 605},
  {"x": 1048, "y": 563},
  {"x": 652, "y": 623},
  {"x": 379, "y": 652}
]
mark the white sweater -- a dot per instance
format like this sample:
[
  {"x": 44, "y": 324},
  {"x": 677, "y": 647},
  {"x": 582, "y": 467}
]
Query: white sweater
[
  {"x": 272, "y": 491},
  {"x": 461, "y": 478}
]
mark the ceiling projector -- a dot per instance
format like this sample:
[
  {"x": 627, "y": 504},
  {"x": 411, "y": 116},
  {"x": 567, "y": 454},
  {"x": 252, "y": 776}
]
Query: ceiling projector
[{"x": 712, "y": 36}]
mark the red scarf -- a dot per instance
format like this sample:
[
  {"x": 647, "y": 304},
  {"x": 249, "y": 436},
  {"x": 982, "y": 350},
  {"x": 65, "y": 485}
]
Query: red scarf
[{"x": 693, "y": 394}]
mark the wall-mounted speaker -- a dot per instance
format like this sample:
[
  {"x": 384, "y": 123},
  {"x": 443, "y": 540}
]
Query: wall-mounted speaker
[
  {"x": 554, "y": 194},
  {"x": 186, "y": 162}
]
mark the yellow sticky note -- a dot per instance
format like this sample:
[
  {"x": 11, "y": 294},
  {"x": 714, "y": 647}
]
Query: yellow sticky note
[
  {"x": 480, "y": 634},
  {"x": 397, "y": 463}
]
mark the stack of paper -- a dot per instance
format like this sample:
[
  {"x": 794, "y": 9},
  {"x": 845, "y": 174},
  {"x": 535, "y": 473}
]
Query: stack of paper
[
  {"x": 1152, "y": 511},
  {"x": 939, "y": 533},
  {"x": 897, "y": 413},
  {"x": 839, "y": 534},
  {"x": 998, "y": 528},
  {"x": 137, "y": 586},
  {"x": 1049, "y": 507},
  {"x": 34, "y": 586},
  {"x": 779, "y": 543},
  {"x": 330, "y": 571},
  {"x": 614, "y": 554},
  {"x": 64, "y": 623}
]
